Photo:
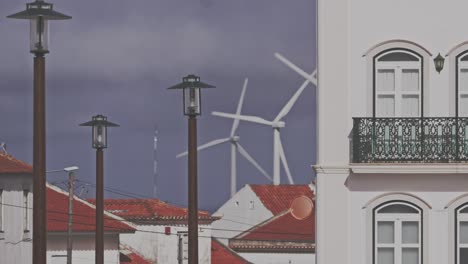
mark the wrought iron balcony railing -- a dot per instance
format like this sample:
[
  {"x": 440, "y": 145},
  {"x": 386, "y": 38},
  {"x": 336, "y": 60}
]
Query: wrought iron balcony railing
[{"x": 428, "y": 139}]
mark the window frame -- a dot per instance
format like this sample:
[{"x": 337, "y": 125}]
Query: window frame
[
  {"x": 419, "y": 217},
  {"x": 375, "y": 67},
  {"x": 457, "y": 80},
  {"x": 26, "y": 211},
  {"x": 457, "y": 229}
]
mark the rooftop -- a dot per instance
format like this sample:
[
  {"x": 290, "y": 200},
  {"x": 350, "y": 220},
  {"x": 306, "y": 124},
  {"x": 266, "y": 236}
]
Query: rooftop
[
  {"x": 84, "y": 213},
  {"x": 153, "y": 210},
  {"x": 221, "y": 254},
  {"x": 278, "y": 198},
  {"x": 10, "y": 165}
]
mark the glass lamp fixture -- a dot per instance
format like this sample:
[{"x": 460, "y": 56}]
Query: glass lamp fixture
[
  {"x": 39, "y": 13},
  {"x": 99, "y": 126},
  {"x": 191, "y": 86},
  {"x": 439, "y": 63}
]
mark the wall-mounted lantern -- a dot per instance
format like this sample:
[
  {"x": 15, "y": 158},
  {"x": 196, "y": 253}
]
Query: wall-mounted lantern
[{"x": 439, "y": 63}]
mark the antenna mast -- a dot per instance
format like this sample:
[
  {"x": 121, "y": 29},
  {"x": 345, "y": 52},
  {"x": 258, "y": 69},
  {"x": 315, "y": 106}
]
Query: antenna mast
[{"x": 155, "y": 164}]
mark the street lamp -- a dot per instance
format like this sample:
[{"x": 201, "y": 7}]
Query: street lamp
[
  {"x": 191, "y": 86},
  {"x": 71, "y": 188},
  {"x": 39, "y": 13},
  {"x": 99, "y": 126}
]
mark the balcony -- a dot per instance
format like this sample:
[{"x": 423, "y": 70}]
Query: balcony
[{"x": 412, "y": 140}]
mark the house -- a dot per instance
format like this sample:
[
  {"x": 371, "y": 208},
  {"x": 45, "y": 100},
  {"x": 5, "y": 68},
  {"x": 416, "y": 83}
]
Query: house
[
  {"x": 254, "y": 204},
  {"x": 281, "y": 239},
  {"x": 162, "y": 235},
  {"x": 392, "y": 185},
  {"x": 16, "y": 221}
]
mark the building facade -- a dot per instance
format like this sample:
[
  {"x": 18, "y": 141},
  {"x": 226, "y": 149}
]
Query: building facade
[{"x": 392, "y": 132}]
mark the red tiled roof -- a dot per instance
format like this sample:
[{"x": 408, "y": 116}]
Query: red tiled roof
[
  {"x": 220, "y": 254},
  {"x": 8, "y": 164},
  {"x": 150, "y": 209},
  {"x": 283, "y": 227},
  {"x": 278, "y": 198},
  {"x": 84, "y": 216},
  {"x": 281, "y": 233},
  {"x": 129, "y": 256}
]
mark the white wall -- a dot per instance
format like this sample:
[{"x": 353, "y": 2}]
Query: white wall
[
  {"x": 15, "y": 247},
  {"x": 237, "y": 215},
  {"x": 279, "y": 258},
  {"x": 346, "y": 30},
  {"x": 155, "y": 245},
  {"x": 83, "y": 248}
]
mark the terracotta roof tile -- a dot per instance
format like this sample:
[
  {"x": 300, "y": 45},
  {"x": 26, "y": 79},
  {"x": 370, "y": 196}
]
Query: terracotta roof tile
[
  {"x": 130, "y": 256},
  {"x": 220, "y": 254},
  {"x": 278, "y": 198},
  {"x": 149, "y": 209},
  {"x": 84, "y": 215},
  {"x": 8, "y": 164},
  {"x": 283, "y": 227}
]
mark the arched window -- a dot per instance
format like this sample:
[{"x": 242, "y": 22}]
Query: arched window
[
  {"x": 397, "y": 233},
  {"x": 461, "y": 234},
  {"x": 462, "y": 84},
  {"x": 398, "y": 90}
]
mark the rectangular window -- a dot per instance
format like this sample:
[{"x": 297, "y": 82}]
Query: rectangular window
[
  {"x": 183, "y": 248},
  {"x": 26, "y": 210}
]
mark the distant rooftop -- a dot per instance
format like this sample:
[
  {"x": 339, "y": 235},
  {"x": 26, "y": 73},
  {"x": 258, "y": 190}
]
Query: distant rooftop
[
  {"x": 10, "y": 165},
  {"x": 151, "y": 211}
]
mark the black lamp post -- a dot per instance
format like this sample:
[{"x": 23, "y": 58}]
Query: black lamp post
[
  {"x": 191, "y": 86},
  {"x": 39, "y": 13},
  {"x": 99, "y": 126}
]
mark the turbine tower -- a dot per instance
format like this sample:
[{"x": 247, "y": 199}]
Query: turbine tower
[
  {"x": 235, "y": 146},
  {"x": 277, "y": 123},
  {"x": 155, "y": 163}
]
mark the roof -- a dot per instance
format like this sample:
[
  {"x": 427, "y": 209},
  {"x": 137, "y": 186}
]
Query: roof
[
  {"x": 130, "y": 256},
  {"x": 84, "y": 215},
  {"x": 281, "y": 232},
  {"x": 152, "y": 210},
  {"x": 278, "y": 198},
  {"x": 221, "y": 254},
  {"x": 10, "y": 165}
]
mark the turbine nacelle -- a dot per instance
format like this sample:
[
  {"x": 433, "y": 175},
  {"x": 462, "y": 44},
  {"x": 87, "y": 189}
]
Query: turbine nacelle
[
  {"x": 279, "y": 124},
  {"x": 235, "y": 139}
]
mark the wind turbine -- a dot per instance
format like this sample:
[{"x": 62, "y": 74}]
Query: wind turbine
[
  {"x": 235, "y": 146},
  {"x": 277, "y": 123}
]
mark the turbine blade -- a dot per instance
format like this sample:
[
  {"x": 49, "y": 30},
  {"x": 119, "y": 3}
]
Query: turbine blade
[
  {"x": 310, "y": 77},
  {"x": 253, "y": 119},
  {"x": 207, "y": 145},
  {"x": 235, "y": 124},
  {"x": 247, "y": 156},
  {"x": 285, "y": 163},
  {"x": 287, "y": 107}
]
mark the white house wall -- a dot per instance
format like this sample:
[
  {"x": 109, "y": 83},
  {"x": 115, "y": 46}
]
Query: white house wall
[
  {"x": 15, "y": 247},
  {"x": 238, "y": 216},
  {"x": 152, "y": 243},
  {"x": 83, "y": 249},
  {"x": 279, "y": 258},
  {"x": 346, "y": 31}
]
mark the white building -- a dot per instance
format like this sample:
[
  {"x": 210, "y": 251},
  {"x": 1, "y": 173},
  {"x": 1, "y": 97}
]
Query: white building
[
  {"x": 393, "y": 189},
  {"x": 16, "y": 221},
  {"x": 252, "y": 205},
  {"x": 257, "y": 225},
  {"x": 162, "y": 231}
]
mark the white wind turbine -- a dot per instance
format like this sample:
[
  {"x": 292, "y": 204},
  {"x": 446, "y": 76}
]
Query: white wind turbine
[
  {"x": 235, "y": 146},
  {"x": 277, "y": 124}
]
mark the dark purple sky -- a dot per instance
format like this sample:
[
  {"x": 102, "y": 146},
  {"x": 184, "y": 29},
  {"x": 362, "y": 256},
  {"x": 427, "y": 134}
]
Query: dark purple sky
[{"x": 118, "y": 57}]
